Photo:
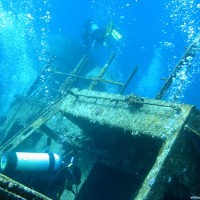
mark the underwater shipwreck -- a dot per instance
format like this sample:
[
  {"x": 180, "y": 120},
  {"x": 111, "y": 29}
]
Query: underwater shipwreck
[{"x": 128, "y": 147}]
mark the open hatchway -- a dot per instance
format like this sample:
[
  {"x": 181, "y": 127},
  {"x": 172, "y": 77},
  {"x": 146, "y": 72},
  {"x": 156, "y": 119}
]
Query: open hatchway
[
  {"x": 120, "y": 173},
  {"x": 150, "y": 144},
  {"x": 127, "y": 147}
]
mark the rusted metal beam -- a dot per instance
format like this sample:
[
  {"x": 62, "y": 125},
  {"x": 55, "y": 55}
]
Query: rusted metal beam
[
  {"x": 76, "y": 71},
  {"x": 31, "y": 128},
  {"x": 92, "y": 78},
  {"x": 34, "y": 85},
  {"x": 152, "y": 180},
  {"x": 128, "y": 80},
  {"x": 190, "y": 52},
  {"x": 13, "y": 190},
  {"x": 102, "y": 72},
  {"x": 100, "y": 108}
]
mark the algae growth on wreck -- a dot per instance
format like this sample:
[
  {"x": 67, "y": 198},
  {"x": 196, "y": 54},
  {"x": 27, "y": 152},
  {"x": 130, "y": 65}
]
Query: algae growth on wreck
[{"x": 99, "y": 100}]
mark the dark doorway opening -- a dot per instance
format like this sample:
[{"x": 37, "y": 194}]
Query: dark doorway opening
[{"x": 106, "y": 183}]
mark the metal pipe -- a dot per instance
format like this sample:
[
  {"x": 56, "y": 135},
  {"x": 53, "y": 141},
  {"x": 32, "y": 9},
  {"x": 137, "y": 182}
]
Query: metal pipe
[
  {"x": 189, "y": 52},
  {"x": 103, "y": 71},
  {"x": 128, "y": 80}
]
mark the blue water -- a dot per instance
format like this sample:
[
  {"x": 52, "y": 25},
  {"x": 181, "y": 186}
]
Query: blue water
[{"x": 155, "y": 34}]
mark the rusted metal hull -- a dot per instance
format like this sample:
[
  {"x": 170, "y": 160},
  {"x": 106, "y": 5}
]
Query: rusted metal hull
[{"x": 153, "y": 142}]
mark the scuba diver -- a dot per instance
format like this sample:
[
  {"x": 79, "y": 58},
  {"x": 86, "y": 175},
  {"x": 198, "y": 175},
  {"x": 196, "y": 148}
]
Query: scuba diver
[
  {"x": 68, "y": 177},
  {"x": 44, "y": 172},
  {"x": 94, "y": 36}
]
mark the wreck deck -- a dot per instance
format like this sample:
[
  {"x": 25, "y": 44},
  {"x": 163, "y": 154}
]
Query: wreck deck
[
  {"x": 128, "y": 147},
  {"x": 114, "y": 130}
]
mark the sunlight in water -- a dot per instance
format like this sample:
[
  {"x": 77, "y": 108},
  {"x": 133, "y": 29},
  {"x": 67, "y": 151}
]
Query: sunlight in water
[
  {"x": 22, "y": 46},
  {"x": 184, "y": 16},
  {"x": 149, "y": 85}
]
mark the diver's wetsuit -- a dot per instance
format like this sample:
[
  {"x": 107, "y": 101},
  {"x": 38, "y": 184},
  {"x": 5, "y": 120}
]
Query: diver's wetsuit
[
  {"x": 64, "y": 179},
  {"x": 93, "y": 38}
]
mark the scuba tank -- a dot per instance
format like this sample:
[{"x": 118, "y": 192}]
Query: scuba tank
[{"x": 22, "y": 161}]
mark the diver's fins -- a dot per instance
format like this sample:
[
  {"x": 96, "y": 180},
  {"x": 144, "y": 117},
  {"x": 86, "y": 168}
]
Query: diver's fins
[
  {"x": 109, "y": 29},
  {"x": 116, "y": 35}
]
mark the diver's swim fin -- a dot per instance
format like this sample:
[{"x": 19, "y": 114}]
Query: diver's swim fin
[
  {"x": 116, "y": 35},
  {"x": 109, "y": 29}
]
